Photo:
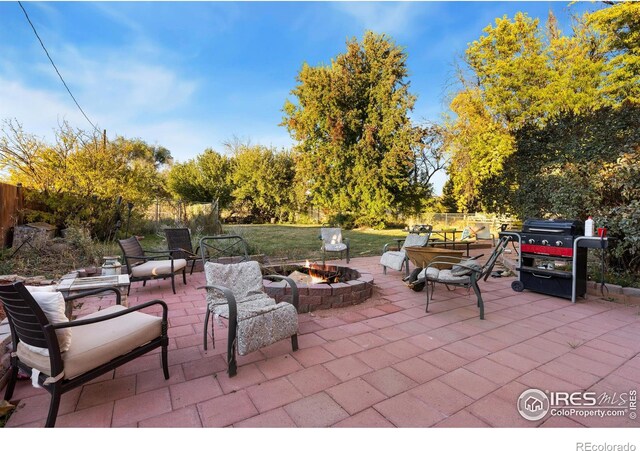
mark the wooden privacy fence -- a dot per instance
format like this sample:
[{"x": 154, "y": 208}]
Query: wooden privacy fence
[{"x": 11, "y": 207}]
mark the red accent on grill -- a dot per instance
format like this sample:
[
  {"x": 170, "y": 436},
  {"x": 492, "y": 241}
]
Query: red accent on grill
[{"x": 548, "y": 250}]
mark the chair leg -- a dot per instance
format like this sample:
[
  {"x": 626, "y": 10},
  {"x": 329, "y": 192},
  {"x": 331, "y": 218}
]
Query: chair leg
[
  {"x": 206, "y": 324},
  {"x": 384, "y": 269},
  {"x": 231, "y": 359},
  {"x": 193, "y": 264},
  {"x": 476, "y": 289},
  {"x": 165, "y": 360},
  {"x": 144, "y": 283},
  {"x": 56, "y": 393},
  {"x": 173, "y": 283},
  {"x": 294, "y": 342},
  {"x": 347, "y": 255},
  {"x": 184, "y": 275},
  {"x": 426, "y": 284},
  {"x": 13, "y": 377}
]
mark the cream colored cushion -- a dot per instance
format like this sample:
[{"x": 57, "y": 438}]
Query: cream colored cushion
[
  {"x": 157, "y": 268},
  {"x": 338, "y": 247},
  {"x": 97, "y": 344},
  {"x": 53, "y": 305}
]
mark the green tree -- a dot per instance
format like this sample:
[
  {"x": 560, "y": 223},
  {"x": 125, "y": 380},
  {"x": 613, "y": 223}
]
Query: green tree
[
  {"x": 77, "y": 178},
  {"x": 263, "y": 180},
  {"x": 350, "y": 121},
  {"x": 619, "y": 27},
  {"x": 203, "y": 179}
]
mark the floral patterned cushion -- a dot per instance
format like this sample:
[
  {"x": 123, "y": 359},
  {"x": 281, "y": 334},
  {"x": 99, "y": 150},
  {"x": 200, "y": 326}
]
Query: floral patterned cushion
[
  {"x": 252, "y": 302},
  {"x": 243, "y": 279},
  {"x": 259, "y": 327}
]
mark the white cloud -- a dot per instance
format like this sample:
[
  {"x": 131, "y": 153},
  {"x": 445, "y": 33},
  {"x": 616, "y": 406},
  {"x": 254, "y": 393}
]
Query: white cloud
[{"x": 394, "y": 18}]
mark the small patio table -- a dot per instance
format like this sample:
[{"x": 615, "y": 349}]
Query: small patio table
[{"x": 73, "y": 285}]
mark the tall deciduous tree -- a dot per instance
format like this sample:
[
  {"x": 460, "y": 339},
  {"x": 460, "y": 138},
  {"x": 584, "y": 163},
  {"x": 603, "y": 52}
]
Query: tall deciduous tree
[
  {"x": 350, "y": 121},
  {"x": 263, "y": 180},
  {"x": 203, "y": 179}
]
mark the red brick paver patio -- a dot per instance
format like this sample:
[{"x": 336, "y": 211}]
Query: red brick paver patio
[{"x": 384, "y": 363}]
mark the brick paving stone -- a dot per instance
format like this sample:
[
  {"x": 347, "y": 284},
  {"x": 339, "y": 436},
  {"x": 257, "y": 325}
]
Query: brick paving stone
[
  {"x": 426, "y": 341},
  {"x": 519, "y": 363},
  {"x": 318, "y": 410},
  {"x": 405, "y": 410},
  {"x": 561, "y": 371},
  {"x": 312, "y": 356},
  {"x": 186, "y": 417},
  {"x": 203, "y": 367},
  {"x": 194, "y": 391},
  {"x": 377, "y": 358},
  {"x": 389, "y": 381},
  {"x": 469, "y": 383},
  {"x": 560, "y": 422},
  {"x": 368, "y": 418},
  {"x": 444, "y": 359},
  {"x": 492, "y": 371},
  {"x": 140, "y": 407},
  {"x": 309, "y": 340},
  {"x": 101, "y": 392},
  {"x": 418, "y": 369},
  {"x": 543, "y": 381},
  {"x": 271, "y": 394},
  {"x": 497, "y": 412},
  {"x": 313, "y": 380},
  {"x": 368, "y": 340},
  {"x": 276, "y": 418},
  {"x": 94, "y": 417},
  {"x": 226, "y": 410},
  {"x": 466, "y": 350},
  {"x": 355, "y": 395},
  {"x": 342, "y": 347},
  {"x": 347, "y": 368},
  {"x": 247, "y": 375},
  {"x": 391, "y": 333},
  {"x": 461, "y": 419},
  {"x": 403, "y": 349},
  {"x": 279, "y": 366},
  {"x": 153, "y": 379},
  {"x": 441, "y": 396}
]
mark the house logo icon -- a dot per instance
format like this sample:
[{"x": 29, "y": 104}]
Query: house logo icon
[{"x": 533, "y": 404}]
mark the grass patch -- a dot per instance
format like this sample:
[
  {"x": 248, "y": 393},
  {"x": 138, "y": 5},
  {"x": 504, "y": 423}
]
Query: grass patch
[{"x": 295, "y": 242}]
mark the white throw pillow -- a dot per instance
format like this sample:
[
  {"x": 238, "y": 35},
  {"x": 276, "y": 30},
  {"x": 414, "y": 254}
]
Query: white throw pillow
[{"x": 52, "y": 304}]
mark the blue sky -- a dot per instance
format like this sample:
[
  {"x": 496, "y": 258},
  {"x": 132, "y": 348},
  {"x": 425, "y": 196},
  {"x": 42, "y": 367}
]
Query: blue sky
[{"x": 192, "y": 75}]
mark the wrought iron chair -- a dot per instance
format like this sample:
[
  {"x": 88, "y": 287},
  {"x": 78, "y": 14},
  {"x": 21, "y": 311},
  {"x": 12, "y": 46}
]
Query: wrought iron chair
[
  {"x": 142, "y": 267},
  {"x": 100, "y": 342},
  {"x": 235, "y": 292},
  {"x": 333, "y": 241},
  {"x": 396, "y": 259},
  {"x": 465, "y": 272},
  {"x": 180, "y": 245}
]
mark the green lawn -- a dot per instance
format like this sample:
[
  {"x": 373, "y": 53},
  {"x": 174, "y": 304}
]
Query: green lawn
[{"x": 297, "y": 242}]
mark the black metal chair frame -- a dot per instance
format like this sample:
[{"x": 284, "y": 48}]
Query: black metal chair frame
[
  {"x": 180, "y": 245},
  {"x": 232, "y": 327},
  {"x": 29, "y": 324},
  {"x": 215, "y": 247},
  {"x": 210, "y": 251},
  {"x": 162, "y": 255},
  {"x": 475, "y": 275}
]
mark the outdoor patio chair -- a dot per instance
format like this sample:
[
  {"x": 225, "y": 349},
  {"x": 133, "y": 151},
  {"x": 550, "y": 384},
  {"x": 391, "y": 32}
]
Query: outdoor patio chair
[
  {"x": 142, "y": 267},
  {"x": 180, "y": 246},
  {"x": 235, "y": 292},
  {"x": 61, "y": 355},
  {"x": 333, "y": 241},
  {"x": 483, "y": 232},
  {"x": 465, "y": 272},
  {"x": 396, "y": 259},
  {"x": 223, "y": 249}
]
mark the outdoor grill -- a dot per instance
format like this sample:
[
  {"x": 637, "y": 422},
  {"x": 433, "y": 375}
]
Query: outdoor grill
[{"x": 549, "y": 261}]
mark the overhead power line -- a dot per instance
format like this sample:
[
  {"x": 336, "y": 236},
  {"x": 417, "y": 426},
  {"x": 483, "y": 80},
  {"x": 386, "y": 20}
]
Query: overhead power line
[{"x": 54, "y": 66}]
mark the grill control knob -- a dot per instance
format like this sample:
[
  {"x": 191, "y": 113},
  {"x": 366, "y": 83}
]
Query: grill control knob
[
  {"x": 559, "y": 243},
  {"x": 545, "y": 242},
  {"x": 532, "y": 241}
]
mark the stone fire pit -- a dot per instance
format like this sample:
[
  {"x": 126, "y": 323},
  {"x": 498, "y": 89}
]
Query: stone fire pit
[{"x": 355, "y": 287}]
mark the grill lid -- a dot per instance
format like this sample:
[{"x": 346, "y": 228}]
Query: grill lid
[{"x": 554, "y": 226}]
